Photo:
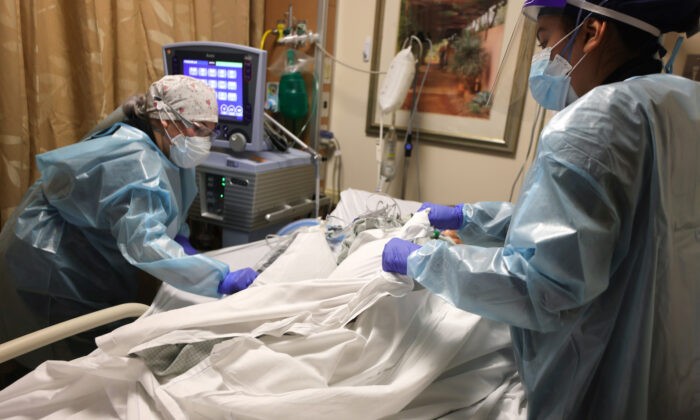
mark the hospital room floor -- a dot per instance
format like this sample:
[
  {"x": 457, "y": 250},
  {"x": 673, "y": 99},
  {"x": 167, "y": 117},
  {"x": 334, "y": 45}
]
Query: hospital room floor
[{"x": 10, "y": 371}]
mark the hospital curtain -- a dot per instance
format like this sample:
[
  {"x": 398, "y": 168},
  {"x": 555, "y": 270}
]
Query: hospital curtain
[{"x": 67, "y": 64}]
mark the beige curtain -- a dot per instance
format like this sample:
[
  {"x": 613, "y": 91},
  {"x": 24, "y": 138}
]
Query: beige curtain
[{"x": 66, "y": 64}]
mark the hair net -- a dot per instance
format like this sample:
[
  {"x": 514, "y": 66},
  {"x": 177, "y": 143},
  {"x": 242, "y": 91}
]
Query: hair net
[{"x": 193, "y": 99}]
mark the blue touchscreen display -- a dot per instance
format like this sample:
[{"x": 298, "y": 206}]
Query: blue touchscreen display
[{"x": 226, "y": 78}]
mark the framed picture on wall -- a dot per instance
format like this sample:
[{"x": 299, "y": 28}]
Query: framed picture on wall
[{"x": 470, "y": 39}]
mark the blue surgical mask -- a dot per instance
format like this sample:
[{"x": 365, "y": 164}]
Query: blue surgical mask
[{"x": 550, "y": 79}]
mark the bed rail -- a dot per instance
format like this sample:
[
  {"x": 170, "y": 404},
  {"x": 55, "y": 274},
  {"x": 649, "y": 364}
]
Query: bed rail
[{"x": 21, "y": 345}]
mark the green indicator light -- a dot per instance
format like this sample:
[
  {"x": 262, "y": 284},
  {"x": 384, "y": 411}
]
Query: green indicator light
[
  {"x": 222, "y": 196},
  {"x": 223, "y": 179}
]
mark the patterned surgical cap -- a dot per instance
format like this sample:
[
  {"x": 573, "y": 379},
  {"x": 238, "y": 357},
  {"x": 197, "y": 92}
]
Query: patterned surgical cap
[{"x": 193, "y": 99}]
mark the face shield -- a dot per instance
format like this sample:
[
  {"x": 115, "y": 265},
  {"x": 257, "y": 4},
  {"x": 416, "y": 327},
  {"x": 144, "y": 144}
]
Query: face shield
[
  {"x": 190, "y": 149},
  {"x": 651, "y": 16},
  {"x": 532, "y": 9},
  {"x": 199, "y": 129},
  {"x": 582, "y": 10},
  {"x": 188, "y": 103}
]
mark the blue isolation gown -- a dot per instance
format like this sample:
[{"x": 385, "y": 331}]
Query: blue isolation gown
[
  {"x": 103, "y": 209},
  {"x": 597, "y": 267}
]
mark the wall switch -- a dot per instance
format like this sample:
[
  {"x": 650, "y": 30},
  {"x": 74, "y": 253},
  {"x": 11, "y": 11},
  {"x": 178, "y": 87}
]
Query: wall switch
[
  {"x": 367, "y": 50},
  {"x": 325, "y": 104},
  {"x": 327, "y": 71}
]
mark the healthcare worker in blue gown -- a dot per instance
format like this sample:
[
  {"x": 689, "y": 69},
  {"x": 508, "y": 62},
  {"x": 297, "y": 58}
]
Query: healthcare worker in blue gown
[
  {"x": 107, "y": 209},
  {"x": 597, "y": 266}
]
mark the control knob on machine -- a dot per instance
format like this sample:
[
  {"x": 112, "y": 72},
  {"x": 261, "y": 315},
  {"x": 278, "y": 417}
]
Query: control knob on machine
[{"x": 237, "y": 142}]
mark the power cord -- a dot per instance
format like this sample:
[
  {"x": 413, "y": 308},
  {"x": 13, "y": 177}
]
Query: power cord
[
  {"x": 529, "y": 148},
  {"x": 339, "y": 165},
  {"x": 409, "y": 129},
  {"x": 332, "y": 57}
]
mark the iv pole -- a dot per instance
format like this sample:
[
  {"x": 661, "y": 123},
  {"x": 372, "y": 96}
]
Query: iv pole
[
  {"x": 408, "y": 145},
  {"x": 321, "y": 26}
]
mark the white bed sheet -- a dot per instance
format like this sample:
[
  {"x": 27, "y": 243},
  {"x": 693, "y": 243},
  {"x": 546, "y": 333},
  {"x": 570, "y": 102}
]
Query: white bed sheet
[
  {"x": 237, "y": 257},
  {"x": 408, "y": 356},
  {"x": 353, "y": 203}
]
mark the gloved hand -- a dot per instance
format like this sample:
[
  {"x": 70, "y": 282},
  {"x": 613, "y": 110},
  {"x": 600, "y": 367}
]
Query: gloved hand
[
  {"x": 186, "y": 245},
  {"x": 236, "y": 281},
  {"x": 395, "y": 255},
  {"x": 444, "y": 217}
]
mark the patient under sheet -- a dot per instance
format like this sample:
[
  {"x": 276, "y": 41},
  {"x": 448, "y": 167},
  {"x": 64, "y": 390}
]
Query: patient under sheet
[{"x": 309, "y": 340}]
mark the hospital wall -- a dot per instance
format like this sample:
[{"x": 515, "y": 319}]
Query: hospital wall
[{"x": 448, "y": 175}]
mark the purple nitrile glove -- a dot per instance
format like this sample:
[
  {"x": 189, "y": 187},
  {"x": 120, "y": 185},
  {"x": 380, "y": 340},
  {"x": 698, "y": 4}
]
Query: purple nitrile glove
[
  {"x": 186, "y": 245},
  {"x": 395, "y": 255},
  {"x": 236, "y": 281},
  {"x": 444, "y": 217}
]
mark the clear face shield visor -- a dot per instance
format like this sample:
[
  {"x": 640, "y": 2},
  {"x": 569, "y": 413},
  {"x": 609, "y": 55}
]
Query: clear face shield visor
[
  {"x": 200, "y": 130},
  {"x": 518, "y": 47},
  {"x": 532, "y": 9},
  {"x": 510, "y": 87}
]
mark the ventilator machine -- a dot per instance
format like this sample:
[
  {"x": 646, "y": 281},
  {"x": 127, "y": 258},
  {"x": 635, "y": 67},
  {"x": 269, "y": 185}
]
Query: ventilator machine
[{"x": 247, "y": 186}]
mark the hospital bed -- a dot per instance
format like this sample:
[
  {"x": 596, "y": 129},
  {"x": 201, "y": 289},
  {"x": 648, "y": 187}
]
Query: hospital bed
[
  {"x": 479, "y": 382},
  {"x": 353, "y": 203},
  {"x": 167, "y": 298}
]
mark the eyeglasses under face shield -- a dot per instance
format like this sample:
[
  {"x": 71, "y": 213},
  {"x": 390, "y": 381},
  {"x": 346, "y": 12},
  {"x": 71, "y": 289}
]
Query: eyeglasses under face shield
[{"x": 200, "y": 129}]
